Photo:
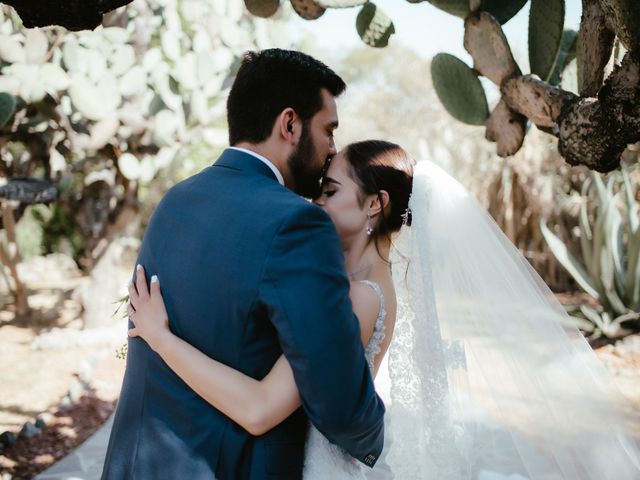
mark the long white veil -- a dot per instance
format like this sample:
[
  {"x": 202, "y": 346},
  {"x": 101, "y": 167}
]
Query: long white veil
[{"x": 487, "y": 381}]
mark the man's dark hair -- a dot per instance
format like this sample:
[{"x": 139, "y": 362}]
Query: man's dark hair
[{"x": 271, "y": 80}]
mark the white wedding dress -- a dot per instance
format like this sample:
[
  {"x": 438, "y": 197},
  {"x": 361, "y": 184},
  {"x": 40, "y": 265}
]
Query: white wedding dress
[
  {"x": 487, "y": 380},
  {"x": 325, "y": 460}
]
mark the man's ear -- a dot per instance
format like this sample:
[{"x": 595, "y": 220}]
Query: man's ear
[
  {"x": 375, "y": 206},
  {"x": 288, "y": 125}
]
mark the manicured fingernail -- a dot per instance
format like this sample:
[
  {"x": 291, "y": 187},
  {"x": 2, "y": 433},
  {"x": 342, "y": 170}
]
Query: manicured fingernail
[
  {"x": 154, "y": 279},
  {"x": 138, "y": 267}
]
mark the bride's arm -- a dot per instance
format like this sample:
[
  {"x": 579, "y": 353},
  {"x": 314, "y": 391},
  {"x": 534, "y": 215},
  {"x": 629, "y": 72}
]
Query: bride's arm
[{"x": 256, "y": 405}]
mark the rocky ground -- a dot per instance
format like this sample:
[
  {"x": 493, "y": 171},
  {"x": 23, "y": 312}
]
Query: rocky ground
[{"x": 59, "y": 380}]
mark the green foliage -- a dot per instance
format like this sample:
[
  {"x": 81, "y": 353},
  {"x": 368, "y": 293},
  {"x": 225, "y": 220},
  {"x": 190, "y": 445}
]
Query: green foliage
[
  {"x": 341, "y": 3},
  {"x": 609, "y": 269},
  {"x": 29, "y": 233},
  {"x": 7, "y": 107},
  {"x": 566, "y": 55},
  {"x": 262, "y": 8},
  {"x": 546, "y": 22},
  {"x": 374, "y": 26},
  {"x": 108, "y": 111},
  {"x": 502, "y": 10},
  {"x": 459, "y": 89},
  {"x": 59, "y": 231},
  {"x": 459, "y": 8}
]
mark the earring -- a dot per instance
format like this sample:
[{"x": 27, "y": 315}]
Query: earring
[{"x": 369, "y": 226}]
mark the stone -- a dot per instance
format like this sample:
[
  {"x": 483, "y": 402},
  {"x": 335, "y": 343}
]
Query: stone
[
  {"x": 65, "y": 404},
  {"x": 43, "y": 420},
  {"x": 7, "y": 439},
  {"x": 29, "y": 430},
  {"x": 76, "y": 390}
]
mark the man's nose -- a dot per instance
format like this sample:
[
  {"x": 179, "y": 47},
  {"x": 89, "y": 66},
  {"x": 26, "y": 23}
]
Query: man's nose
[{"x": 332, "y": 149}]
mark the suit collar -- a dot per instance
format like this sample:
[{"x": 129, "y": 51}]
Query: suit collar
[
  {"x": 239, "y": 160},
  {"x": 264, "y": 160}
]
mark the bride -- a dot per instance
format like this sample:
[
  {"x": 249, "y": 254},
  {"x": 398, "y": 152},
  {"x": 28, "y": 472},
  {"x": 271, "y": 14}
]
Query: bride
[{"x": 487, "y": 381}]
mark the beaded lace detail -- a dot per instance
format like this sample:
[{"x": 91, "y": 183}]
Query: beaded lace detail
[{"x": 372, "y": 349}]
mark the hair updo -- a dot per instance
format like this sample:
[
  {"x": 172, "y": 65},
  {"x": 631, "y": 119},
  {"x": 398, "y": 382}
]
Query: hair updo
[{"x": 377, "y": 165}]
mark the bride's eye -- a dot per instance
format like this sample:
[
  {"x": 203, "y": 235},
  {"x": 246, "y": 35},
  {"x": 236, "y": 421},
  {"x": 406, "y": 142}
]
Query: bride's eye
[{"x": 328, "y": 193}]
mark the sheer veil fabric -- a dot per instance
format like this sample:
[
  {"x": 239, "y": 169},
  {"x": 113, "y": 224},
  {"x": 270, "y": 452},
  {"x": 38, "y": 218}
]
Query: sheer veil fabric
[{"x": 487, "y": 380}]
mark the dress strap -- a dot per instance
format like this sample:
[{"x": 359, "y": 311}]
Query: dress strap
[
  {"x": 372, "y": 349},
  {"x": 378, "y": 291}
]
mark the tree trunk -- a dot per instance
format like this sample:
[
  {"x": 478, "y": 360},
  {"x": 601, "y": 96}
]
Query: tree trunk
[{"x": 10, "y": 256}]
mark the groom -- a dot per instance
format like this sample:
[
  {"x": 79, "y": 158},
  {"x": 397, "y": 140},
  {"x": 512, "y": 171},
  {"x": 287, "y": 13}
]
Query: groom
[{"x": 249, "y": 271}]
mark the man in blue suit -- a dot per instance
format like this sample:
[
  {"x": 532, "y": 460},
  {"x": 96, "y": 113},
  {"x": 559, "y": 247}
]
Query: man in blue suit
[{"x": 252, "y": 270}]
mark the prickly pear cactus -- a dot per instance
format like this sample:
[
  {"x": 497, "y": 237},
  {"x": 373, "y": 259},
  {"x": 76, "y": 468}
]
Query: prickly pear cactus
[
  {"x": 262, "y": 8},
  {"x": 7, "y": 107},
  {"x": 459, "y": 89},
  {"x": 341, "y": 3},
  {"x": 308, "y": 9},
  {"x": 374, "y": 26},
  {"x": 459, "y": 8},
  {"x": 122, "y": 104},
  {"x": 566, "y": 54},
  {"x": 546, "y": 23},
  {"x": 502, "y": 10}
]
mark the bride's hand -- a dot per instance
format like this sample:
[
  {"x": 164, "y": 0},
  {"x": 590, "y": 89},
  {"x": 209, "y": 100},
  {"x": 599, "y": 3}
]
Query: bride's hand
[{"x": 146, "y": 310}]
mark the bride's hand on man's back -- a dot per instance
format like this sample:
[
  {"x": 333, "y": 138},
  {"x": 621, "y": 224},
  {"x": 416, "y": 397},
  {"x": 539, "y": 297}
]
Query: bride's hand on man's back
[{"x": 146, "y": 310}]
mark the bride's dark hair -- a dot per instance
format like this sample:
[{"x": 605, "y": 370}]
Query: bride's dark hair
[{"x": 377, "y": 165}]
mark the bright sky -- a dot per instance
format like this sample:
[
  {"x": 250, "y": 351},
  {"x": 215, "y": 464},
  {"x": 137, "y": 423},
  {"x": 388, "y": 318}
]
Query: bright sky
[{"x": 421, "y": 26}]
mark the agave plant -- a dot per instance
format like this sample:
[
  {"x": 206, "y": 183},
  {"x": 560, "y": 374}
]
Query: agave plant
[{"x": 610, "y": 248}]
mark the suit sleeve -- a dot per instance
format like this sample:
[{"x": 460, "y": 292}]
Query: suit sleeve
[{"x": 306, "y": 292}]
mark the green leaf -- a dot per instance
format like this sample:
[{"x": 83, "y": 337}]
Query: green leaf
[
  {"x": 459, "y": 8},
  {"x": 374, "y": 26},
  {"x": 566, "y": 54},
  {"x": 262, "y": 8},
  {"x": 502, "y": 10},
  {"x": 87, "y": 98},
  {"x": 546, "y": 22},
  {"x": 633, "y": 269},
  {"x": 592, "y": 315},
  {"x": 633, "y": 208},
  {"x": 129, "y": 166},
  {"x": 341, "y": 3},
  {"x": 459, "y": 89},
  {"x": 613, "y": 235},
  {"x": 11, "y": 51},
  {"x": 608, "y": 282},
  {"x": 578, "y": 322},
  {"x": 569, "y": 262},
  {"x": 7, "y": 107},
  {"x": 586, "y": 237},
  {"x": 35, "y": 45}
]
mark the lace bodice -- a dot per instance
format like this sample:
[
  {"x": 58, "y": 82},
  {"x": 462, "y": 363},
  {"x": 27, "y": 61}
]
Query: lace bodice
[{"x": 373, "y": 347}]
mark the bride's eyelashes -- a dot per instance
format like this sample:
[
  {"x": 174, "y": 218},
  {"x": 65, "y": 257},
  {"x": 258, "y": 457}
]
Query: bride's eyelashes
[{"x": 328, "y": 193}]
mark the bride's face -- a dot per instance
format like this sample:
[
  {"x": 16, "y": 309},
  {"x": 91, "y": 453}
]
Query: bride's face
[{"x": 339, "y": 199}]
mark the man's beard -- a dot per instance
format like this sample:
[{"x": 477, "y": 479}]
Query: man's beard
[{"x": 305, "y": 174}]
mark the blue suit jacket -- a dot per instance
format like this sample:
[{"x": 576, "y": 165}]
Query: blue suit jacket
[{"x": 249, "y": 271}]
